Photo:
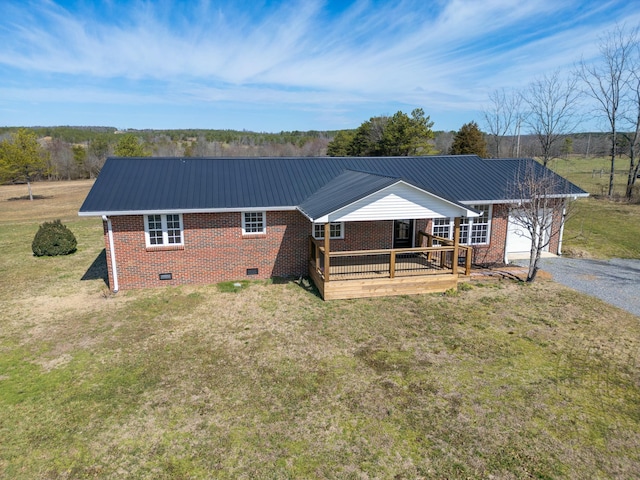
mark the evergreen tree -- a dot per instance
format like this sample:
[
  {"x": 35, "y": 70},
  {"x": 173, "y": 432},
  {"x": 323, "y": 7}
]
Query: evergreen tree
[
  {"x": 469, "y": 140},
  {"x": 129, "y": 146},
  {"x": 399, "y": 135},
  {"x": 341, "y": 144},
  {"x": 22, "y": 158},
  {"x": 404, "y": 135}
]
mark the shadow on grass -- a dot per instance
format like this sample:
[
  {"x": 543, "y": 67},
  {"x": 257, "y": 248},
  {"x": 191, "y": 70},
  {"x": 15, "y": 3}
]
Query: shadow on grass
[
  {"x": 26, "y": 197},
  {"x": 98, "y": 269},
  {"x": 303, "y": 282},
  {"x": 308, "y": 286}
]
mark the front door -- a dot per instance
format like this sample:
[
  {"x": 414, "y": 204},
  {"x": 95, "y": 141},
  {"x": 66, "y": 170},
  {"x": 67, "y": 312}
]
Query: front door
[{"x": 403, "y": 234}]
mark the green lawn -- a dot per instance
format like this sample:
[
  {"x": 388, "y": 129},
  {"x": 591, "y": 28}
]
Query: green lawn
[
  {"x": 603, "y": 229},
  {"x": 592, "y": 174},
  {"x": 598, "y": 227},
  {"x": 500, "y": 380}
]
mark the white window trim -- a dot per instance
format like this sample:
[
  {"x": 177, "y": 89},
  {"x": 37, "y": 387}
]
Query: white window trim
[
  {"x": 264, "y": 223},
  {"x": 340, "y": 237},
  {"x": 165, "y": 231},
  {"x": 470, "y": 228}
]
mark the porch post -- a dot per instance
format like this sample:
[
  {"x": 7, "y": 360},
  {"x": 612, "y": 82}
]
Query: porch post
[
  {"x": 392, "y": 263},
  {"x": 314, "y": 253},
  {"x": 327, "y": 263},
  {"x": 456, "y": 245}
]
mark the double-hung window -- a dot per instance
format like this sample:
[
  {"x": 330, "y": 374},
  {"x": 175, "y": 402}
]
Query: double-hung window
[
  {"x": 473, "y": 231},
  {"x": 254, "y": 223},
  {"x": 480, "y": 225},
  {"x": 336, "y": 230},
  {"x": 161, "y": 229}
]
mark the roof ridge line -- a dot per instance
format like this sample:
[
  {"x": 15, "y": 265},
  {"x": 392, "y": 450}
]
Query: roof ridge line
[{"x": 377, "y": 174}]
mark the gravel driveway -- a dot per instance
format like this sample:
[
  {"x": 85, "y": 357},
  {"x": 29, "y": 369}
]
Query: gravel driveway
[{"x": 615, "y": 281}]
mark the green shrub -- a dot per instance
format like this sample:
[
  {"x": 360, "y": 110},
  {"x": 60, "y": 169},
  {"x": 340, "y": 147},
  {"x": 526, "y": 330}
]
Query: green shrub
[{"x": 53, "y": 238}]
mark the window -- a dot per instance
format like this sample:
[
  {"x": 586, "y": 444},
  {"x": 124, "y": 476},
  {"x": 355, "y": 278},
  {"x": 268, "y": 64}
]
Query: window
[
  {"x": 480, "y": 226},
  {"x": 154, "y": 228},
  {"x": 174, "y": 230},
  {"x": 254, "y": 223},
  {"x": 163, "y": 229},
  {"x": 442, "y": 227},
  {"x": 473, "y": 231},
  {"x": 335, "y": 230}
]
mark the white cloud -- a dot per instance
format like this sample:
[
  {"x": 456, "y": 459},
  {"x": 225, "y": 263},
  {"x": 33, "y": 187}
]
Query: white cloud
[{"x": 445, "y": 54}]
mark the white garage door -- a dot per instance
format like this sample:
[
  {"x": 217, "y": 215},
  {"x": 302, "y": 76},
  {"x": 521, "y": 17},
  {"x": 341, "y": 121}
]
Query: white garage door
[{"x": 518, "y": 237}]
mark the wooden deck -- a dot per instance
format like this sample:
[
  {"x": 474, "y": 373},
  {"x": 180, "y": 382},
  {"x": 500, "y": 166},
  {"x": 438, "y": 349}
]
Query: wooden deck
[
  {"x": 382, "y": 287},
  {"x": 377, "y": 273}
]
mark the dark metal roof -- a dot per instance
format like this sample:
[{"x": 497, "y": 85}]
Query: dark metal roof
[
  {"x": 343, "y": 190},
  {"x": 130, "y": 185}
]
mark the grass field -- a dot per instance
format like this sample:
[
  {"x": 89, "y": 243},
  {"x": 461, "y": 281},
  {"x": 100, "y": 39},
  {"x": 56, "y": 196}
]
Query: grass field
[
  {"x": 598, "y": 227},
  {"x": 592, "y": 174},
  {"x": 498, "y": 380},
  {"x": 601, "y": 228}
]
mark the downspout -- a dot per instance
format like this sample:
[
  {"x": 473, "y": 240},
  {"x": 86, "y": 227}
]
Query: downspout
[
  {"x": 112, "y": 253},
  {"x": 506, "y": 241},
  {"x": 506, "y": 246},
  {"x": 564, "y": 214}
]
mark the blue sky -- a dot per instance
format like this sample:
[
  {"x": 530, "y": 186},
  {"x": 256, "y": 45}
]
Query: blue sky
[{"x": 282, "y": 65}]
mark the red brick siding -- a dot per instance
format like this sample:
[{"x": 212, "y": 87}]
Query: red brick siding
[
  {"x": 215, "y": 249},
  {"x": 364, "y": 236},
  {"x": 494, "y": 252}
]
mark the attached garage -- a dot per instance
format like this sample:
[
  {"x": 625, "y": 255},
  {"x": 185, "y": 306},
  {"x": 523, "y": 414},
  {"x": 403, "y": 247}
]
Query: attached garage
[{"x": 519, "y": 238}]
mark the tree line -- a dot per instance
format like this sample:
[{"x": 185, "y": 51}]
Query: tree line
[{"x": 68, "y": 153}]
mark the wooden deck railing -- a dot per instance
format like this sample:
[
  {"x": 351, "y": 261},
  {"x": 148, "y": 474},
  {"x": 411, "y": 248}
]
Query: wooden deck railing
[
  {"x": 465, "y": 251},
  {"x": 391, "y": 263}
]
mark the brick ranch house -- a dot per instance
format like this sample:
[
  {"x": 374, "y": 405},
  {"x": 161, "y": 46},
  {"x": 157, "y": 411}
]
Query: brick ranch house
[{"x": 357, "y": 226}]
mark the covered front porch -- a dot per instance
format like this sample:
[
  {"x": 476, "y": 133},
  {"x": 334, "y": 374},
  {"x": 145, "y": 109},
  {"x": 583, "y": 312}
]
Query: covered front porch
[
  {"x": 417, "y": 262},
  {"x": 435, "y": 265}
]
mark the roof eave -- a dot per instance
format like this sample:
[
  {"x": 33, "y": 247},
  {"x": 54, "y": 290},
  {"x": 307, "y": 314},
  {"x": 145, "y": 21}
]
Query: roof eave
[
  {"x": 519, "y": 200},
  {"x": 114, "y": 213}
]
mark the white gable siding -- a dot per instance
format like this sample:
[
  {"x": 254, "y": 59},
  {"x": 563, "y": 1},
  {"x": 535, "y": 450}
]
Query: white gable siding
[{"x": 397, "y": 201}]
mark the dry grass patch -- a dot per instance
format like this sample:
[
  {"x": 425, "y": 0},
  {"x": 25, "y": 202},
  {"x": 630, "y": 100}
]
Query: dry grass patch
[
  {"x": 52, "y": 200},
  {"x": 500, "y": 380}
]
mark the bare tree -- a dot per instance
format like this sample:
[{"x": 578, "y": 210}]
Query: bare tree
[
  {"x": 607, "y": 80},
  {"x": 541, "y": 196},
  {"x": 552, "y": 111},
  {"x": 633, "y": 137},
  {"x": 503, "y": 116},
  {"x": 97, "y": 153},
  {"x": 442, "y": 141}
]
